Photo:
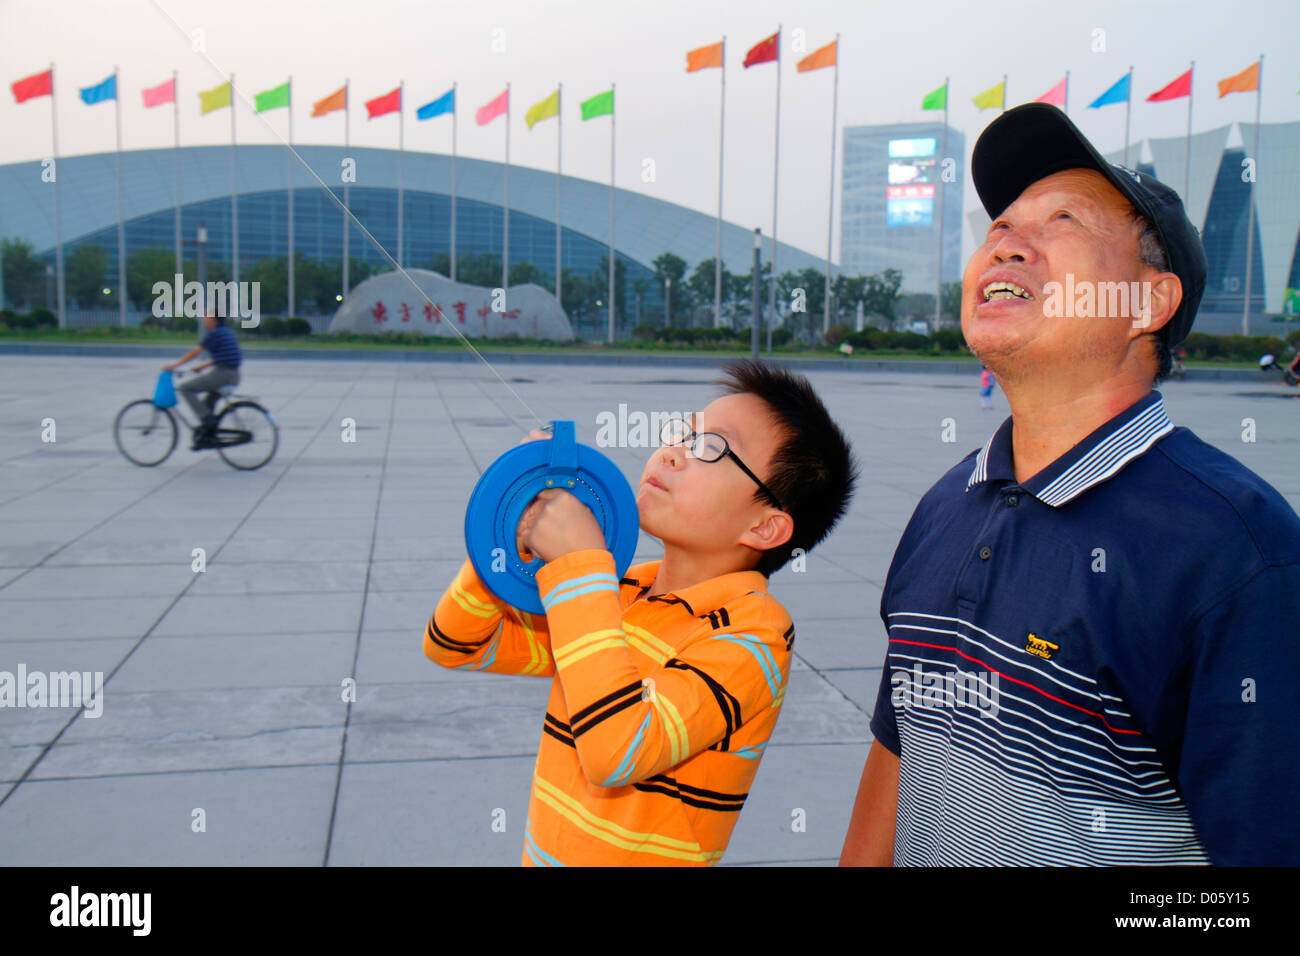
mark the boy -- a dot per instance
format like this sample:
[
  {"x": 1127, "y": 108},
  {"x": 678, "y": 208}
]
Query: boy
[{"x": 667, "y": 682}]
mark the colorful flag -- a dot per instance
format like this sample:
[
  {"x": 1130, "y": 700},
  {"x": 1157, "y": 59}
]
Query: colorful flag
[
  {"x": 995, "y": 97},
  {"x": 107, "y": 90},
  {"x": 160, "y": 94},
  {"x": 936, "y": 99},
  {"x": 1116, "y": 94},
  {"x": 764, "y": 51},
  {"x": 1246, "y": 81},
  {"x": 214, "y": 99},
  {"x": 704, "y": 58},
  {"x": 543, "y": 109},
  {"x": 272, "y": 99},
  {"x": 443, "y": 104},
  {"x": 818, "y": 59},
  {"x": 491, "y": 111},
  {"x": 338, "y": 100},
  {"x": 38, "y": 84},
  {"x": 601, "y": 104},
  {"x": 388, "y": 103},
  {"x": 1055, "y": 96},
  {"x": 1174, "y": 91}
]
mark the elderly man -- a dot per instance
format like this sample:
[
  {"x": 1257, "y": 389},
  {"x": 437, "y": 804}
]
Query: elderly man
[{"x": 1092, "y": 653}]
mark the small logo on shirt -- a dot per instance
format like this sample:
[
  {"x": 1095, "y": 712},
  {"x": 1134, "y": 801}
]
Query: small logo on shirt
[{"x": 1040, "y": 648}]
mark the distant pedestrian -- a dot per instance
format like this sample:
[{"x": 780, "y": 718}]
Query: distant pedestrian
[{"x": 986, "y": 388}]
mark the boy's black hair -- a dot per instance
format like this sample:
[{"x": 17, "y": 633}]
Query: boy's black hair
[{"x": 813, "y": 471}]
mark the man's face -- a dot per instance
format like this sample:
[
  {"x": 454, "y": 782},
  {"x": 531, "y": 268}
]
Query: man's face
[
  {"x": 706, "y": 507},
  {"x": 1071, "y": 224}
]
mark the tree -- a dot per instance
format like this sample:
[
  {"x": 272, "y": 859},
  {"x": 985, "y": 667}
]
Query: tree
[
  {"x": 272, "y": 277},
  {"x": 701, "y": 285},
  {"x": 812, "y": 282},
  {"x": 522, "y": 273},
  {"x": 479, "y": 268},
  {"x": 672, "y": 267},
  {"x": 600, "y": 280},
  {"x": 23, "y": 273},
  {"x": 640, "y": 286},
  {"x": 144, "y": 267},
  {"x": 950, "y": 302},
  {"x": 84, "y": 276}
]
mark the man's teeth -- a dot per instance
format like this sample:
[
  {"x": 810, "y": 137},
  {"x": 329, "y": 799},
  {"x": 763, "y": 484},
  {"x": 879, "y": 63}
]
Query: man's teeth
[{"x": 1004, "y": 290}]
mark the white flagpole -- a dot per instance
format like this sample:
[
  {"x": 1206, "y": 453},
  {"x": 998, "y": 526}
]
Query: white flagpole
[
  {"x": 1250, "y": 217},
  {"x": 559, "y": 160},
  {"x": 176, "y": 164},
  {"x": 234, "y": 194},
  {"x": 505, "y": 232},
  {"x": 830, "y": 210},
  {"x": 1004, "y": 98},
  {"x": 347, "y": 148},
  {"x": 717, "y": 240},
  {"x": 1187, "y": 158},
  {"x": 612, "y": 115},
  {"x": 455, "y": 109},
  {"x": 1128, "y": 111},
  {"x": 776, "y": 161},
  {"x": 288, "y": 178},
  {"x": 938, "y": 264},
  {"x": 58, "y": 239},
  {"x": 121, "y": 216},
  {"x": 401, "y": 150},
  {"x": 1067, "y": 92}
]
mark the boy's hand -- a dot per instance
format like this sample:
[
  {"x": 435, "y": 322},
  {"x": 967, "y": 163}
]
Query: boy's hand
[{"x": 556, "y": 523}]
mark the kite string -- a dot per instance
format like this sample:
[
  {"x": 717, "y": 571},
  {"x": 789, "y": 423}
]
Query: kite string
[{"x": 357, "y": 222}]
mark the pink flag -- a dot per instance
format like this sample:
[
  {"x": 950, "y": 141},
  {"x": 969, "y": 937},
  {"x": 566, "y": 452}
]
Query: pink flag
[
  {"x": 1055, "y": 96},
  {"x": 487, "y": 114},
  {"x": 160, "y": 94}
]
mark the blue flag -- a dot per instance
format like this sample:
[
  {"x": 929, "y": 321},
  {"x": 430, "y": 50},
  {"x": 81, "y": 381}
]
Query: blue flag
[
  {"x": 1116, "y": 94},
  {"x": 98, "y": 94},
  {"x": 443, "y": 104}
]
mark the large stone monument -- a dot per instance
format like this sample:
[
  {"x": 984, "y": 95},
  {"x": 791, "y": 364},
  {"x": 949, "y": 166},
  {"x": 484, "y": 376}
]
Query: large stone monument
[{"x": 390, "y": 303}]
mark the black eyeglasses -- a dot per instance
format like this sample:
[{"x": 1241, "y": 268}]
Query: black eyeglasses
[{"x": 709, "y": 447}]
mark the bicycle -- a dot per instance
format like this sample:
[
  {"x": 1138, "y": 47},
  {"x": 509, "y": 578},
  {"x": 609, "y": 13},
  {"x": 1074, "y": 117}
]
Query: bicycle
[{"x": 247, "y": 435}]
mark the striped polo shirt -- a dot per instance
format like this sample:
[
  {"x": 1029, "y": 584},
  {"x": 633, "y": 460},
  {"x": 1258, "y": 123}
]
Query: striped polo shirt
[
  {"x": 660, "y": 707},
  {"x": 221, "y": 344},
  {"x": 1098, "y": 665}
]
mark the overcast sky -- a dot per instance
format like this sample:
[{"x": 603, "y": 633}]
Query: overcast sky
[{"x": 891, "y": 55}]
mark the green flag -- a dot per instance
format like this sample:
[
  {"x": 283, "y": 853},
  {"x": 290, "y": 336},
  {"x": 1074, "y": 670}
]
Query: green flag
[
  {"x": 602, "y": 104},
  {"x": 272, "y": 99},
  {"x": 936, "y": 100}
]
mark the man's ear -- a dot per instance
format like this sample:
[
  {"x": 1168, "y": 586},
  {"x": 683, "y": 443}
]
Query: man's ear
[
  {"x": 771, "y": 531},
  {"x": 1162, "y": 294}
]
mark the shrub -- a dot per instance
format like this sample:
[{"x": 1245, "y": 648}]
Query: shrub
[
  {"x": 272, "y": 327},
  {"x": 643, "y": 333},
  {"x": 837, "y": 334},
  {"x": 43, "y": 318},
  {"x": 949, "y": 340},
  {"x": 297, "y": 327},
  {"x": 780, "y": 337}
]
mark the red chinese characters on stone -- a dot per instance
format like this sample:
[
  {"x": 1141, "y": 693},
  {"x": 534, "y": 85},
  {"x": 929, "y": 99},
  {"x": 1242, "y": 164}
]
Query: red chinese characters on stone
[
  {"x": 379, "y": 312},
  {"x": 406, "y": 312},
  {"x": 460, "y": 311},
  {"x": 512, "y": 314},
  {"x": 429, "y": 314}
]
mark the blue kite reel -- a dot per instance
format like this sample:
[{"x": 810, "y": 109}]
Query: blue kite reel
[{"x": 509, "y": 486}]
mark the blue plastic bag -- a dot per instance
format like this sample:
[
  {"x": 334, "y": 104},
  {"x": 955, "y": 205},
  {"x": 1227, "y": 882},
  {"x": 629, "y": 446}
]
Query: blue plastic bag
[{"x": 164, "y": 395}]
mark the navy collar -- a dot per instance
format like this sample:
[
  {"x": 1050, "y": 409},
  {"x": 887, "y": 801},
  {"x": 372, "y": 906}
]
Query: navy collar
[{"x": 1098, "y": 457}]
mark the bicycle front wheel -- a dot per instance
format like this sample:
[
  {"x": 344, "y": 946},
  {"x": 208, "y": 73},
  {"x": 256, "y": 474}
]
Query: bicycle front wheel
[
  {"x": 145, "y": 434},
  {"x": 247, "y": 435}
]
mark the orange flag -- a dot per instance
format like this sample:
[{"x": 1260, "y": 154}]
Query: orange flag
[
  {"x": 1244, "y": 82},
  {"x": 337, "y": 100},
  {"x": 704, "y": 58},
  {"x": 818, "y": 58}
]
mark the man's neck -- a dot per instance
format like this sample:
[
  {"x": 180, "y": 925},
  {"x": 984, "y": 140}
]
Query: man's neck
[
  {"x": 679, "y": 570},
  {"x": 1048, "y": 420}
]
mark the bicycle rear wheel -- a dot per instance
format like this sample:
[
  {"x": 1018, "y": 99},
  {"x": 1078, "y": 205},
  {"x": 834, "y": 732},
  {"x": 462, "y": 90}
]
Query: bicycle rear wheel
[
  {"x": 247, "y": 435},
  {"x": 144, "y": 433}
]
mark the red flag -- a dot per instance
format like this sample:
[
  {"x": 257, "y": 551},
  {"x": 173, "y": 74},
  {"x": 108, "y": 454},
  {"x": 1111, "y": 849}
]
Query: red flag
[
  {"x": 765, "y": 51},
  {"x": 163, "y": 93},
  {"x": 1174, "y": 91},
  {"x": 388, "y": 103},
  {"x": 38, "y": 84},
  {"x": 1055, "y": 96},
  {"x": 491, "y": 111}
]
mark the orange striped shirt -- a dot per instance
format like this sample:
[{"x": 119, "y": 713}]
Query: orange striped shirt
[{"x": 659, "y": 711}]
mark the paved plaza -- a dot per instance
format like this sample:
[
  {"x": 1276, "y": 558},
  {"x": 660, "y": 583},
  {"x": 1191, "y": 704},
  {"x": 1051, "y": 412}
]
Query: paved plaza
[{"x": 223, "y": 703}]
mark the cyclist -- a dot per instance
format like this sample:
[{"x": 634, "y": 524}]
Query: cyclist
[{"x": 220, "y": 343}]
